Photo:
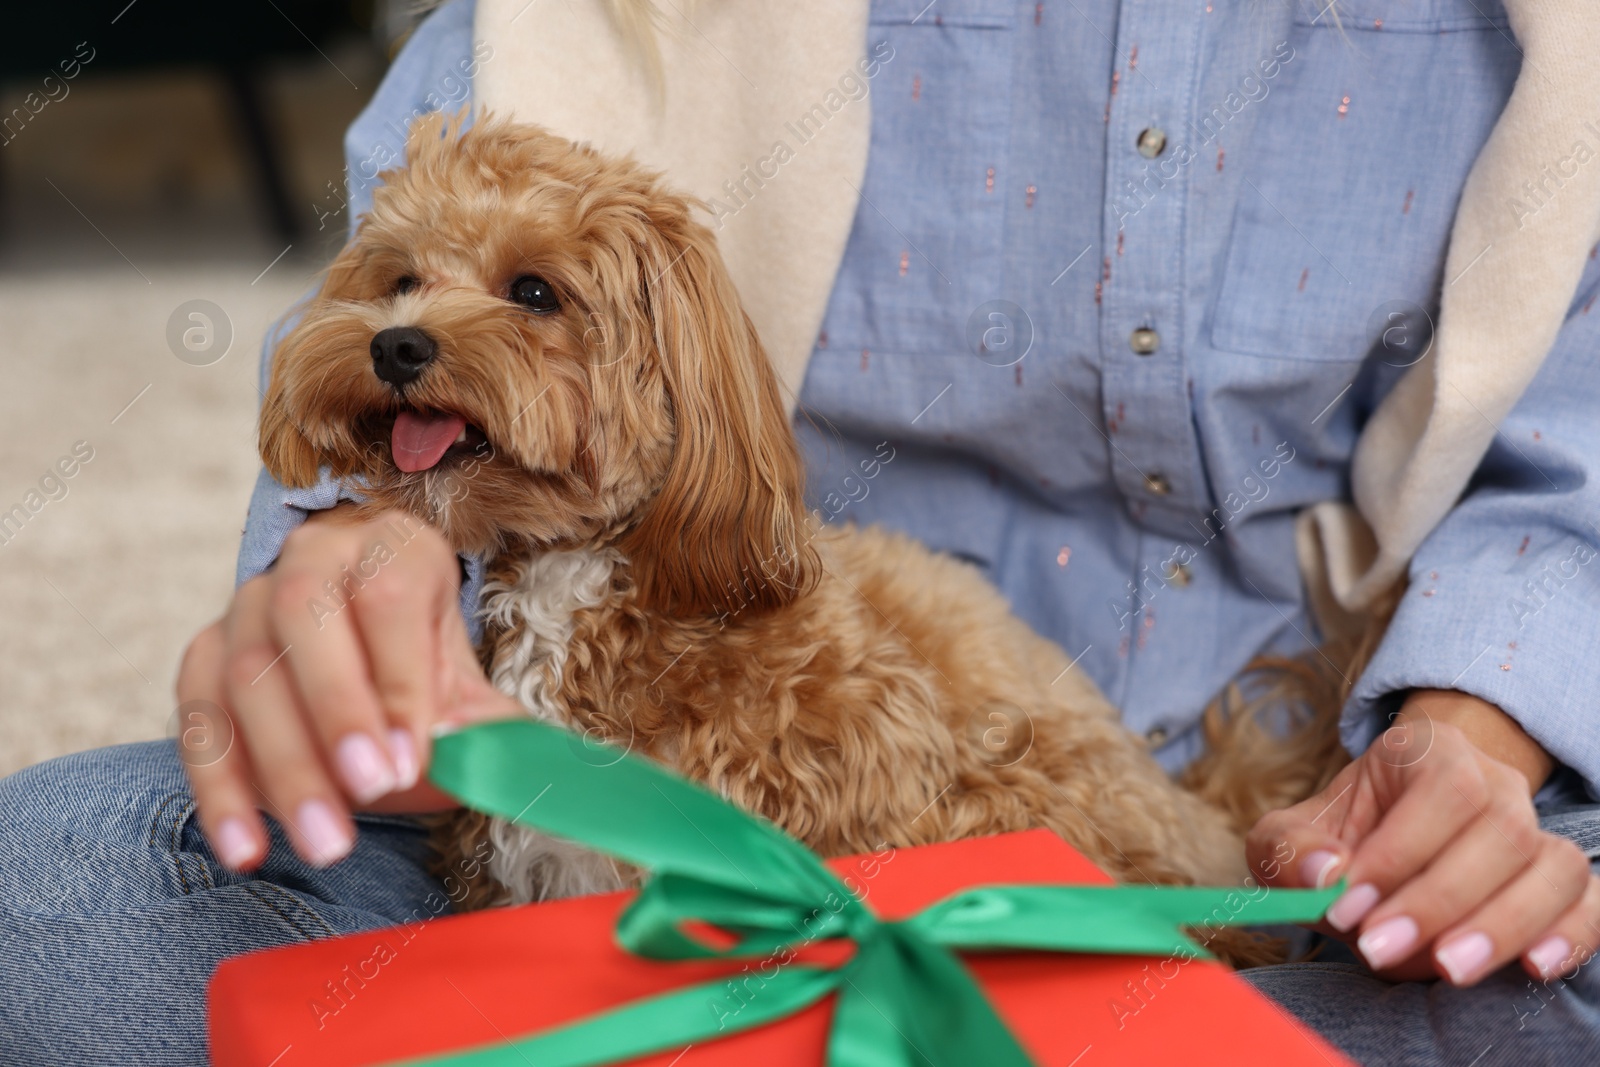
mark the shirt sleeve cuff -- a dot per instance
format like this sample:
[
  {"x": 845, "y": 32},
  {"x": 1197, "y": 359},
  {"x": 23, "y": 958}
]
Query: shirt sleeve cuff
[
  {"x": 274, "y": 512},
  {"x": 1525, "y": 641}
]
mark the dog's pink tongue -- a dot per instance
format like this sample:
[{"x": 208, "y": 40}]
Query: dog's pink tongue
[{"x": 419, "y": 441}]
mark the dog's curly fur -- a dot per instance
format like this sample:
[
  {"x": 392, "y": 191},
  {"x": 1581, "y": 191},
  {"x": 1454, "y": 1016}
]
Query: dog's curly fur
[{"x": 656, "y": 580}]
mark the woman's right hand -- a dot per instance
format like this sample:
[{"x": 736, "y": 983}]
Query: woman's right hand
[{"x": 318, "y": 691}]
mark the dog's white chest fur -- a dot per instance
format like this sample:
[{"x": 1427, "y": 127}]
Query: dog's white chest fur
[{"x": 538, "y": 612}]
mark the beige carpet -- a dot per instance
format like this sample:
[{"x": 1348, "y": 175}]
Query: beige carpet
[
  {"x": 104, "y": 586},
  {"x": 123, "y": 201}
]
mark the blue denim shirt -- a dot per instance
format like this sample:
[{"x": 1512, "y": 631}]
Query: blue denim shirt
[{"x": 1125, "y": 281}]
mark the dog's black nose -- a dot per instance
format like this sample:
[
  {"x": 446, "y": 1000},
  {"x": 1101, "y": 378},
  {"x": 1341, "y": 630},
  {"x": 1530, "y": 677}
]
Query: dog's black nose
[{"x": 400, "y": 352}]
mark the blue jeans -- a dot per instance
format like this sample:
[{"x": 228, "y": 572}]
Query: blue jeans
[{"x": 114, "y": 911}]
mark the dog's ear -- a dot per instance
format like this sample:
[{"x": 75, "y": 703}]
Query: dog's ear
[
  {"x": 725, "y": 533},
  {"x": 285, "y": 451}
]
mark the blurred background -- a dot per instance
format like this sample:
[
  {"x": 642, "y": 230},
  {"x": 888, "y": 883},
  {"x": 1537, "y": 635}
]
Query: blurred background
[{"x": 171, "y": 181}]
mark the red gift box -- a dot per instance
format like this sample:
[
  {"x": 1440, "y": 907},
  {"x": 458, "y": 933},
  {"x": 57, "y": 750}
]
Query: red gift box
[{"x": 463, "y": 981}]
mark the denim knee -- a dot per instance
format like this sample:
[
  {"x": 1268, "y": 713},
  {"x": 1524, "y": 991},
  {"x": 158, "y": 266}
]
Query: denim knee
[
  {"x": 97, "y": 830},
  {"x": 114, "y": 911}
]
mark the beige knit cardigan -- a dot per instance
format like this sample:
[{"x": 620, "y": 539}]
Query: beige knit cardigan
[{"x": 732, "y": 77}]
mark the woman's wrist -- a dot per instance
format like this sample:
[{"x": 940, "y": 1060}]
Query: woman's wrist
[{"x": 1490, "y": 730}]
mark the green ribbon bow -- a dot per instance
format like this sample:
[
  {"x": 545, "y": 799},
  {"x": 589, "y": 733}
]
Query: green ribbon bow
[{"x": 904, "y": 998}]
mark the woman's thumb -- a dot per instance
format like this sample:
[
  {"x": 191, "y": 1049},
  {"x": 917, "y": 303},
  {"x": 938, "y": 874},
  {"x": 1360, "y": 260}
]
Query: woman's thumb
[{"x": 465, "y": 694}]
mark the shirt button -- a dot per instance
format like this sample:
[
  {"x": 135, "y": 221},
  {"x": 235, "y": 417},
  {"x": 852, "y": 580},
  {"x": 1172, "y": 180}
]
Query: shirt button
[
  {"x": 1152, "y": 142},
  {"x": 1157, "y": 483},
  {"x": 1156, "y": 735},
  {"x": 1179, "y": 575},
  {"x": 1144, "y": 341}
]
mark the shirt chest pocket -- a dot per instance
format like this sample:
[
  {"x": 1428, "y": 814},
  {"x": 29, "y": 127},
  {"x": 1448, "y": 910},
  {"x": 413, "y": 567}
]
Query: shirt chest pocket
[
  {"x": 1353, "y": 172},
  {"x": 925, "y": 245}
]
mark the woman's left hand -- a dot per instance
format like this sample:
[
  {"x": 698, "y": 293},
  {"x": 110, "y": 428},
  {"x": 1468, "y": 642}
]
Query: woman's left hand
[{"x": 1448, "y": 873}]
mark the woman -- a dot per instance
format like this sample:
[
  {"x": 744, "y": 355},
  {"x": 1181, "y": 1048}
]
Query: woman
[{"x": 1124, "y": 284}]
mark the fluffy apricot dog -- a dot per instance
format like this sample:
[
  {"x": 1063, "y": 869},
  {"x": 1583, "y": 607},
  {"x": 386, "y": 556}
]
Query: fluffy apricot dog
[{"x": 536, "y": 347}]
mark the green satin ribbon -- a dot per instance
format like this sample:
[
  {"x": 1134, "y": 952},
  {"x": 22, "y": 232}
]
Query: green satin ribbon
[{"x": 904, "y": 998}]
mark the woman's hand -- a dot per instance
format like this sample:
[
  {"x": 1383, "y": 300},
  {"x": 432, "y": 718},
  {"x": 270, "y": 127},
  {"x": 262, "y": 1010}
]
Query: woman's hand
[
  {"x": 1448, "y": 871},
  {"x": 317, "y": 692}
]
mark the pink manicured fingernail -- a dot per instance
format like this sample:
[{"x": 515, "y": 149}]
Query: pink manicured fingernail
[
  {"x": 1551, "y": 956},
  {"x": 235, "y": 844},
  {"x": 403, "y": 750},
  {"x": 322, "y": 832},
  {"x": 365, "y": 770},
  {"x": 1353, "y": 906},
  {"x": 1389, "y": 942},
  {"x": 1464, "y": 957},
  {"x": 1317, "y": 869}
]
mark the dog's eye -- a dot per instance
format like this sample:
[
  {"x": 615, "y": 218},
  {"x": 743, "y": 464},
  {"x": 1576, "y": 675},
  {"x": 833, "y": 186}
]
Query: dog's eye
[
  {"x": 535, "y": 294},
  {"x": 405, "y": 283}
]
